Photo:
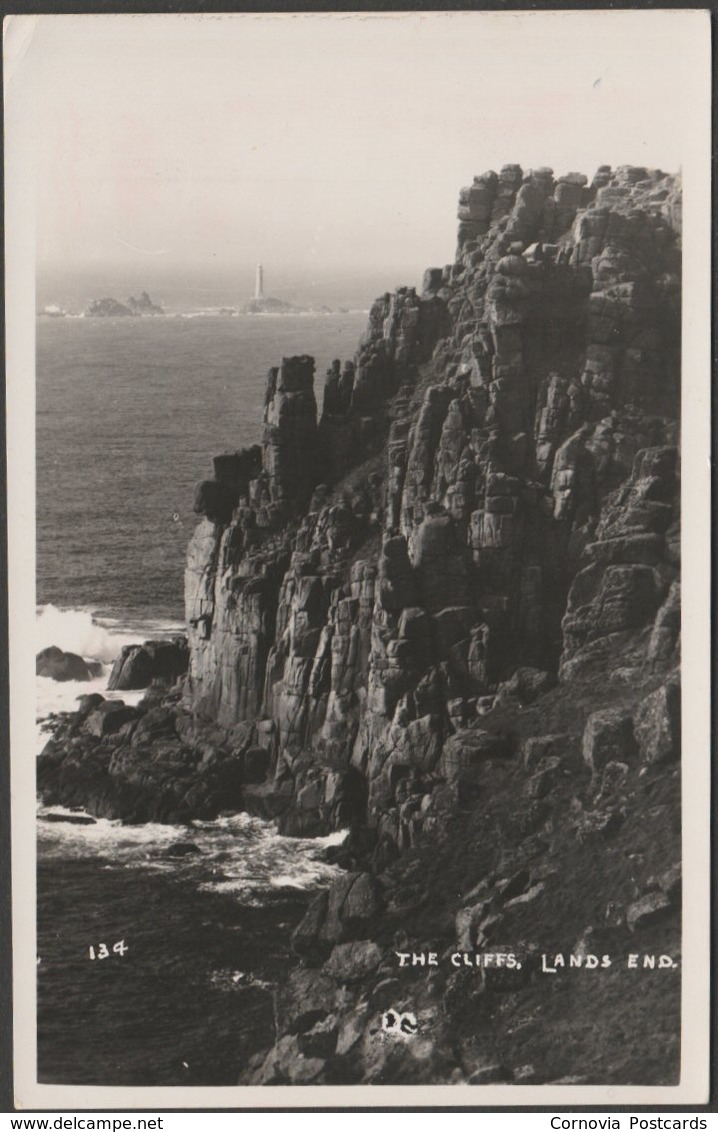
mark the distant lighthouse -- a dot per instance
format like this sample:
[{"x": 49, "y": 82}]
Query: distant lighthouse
[{"x": 259, "y": 283}]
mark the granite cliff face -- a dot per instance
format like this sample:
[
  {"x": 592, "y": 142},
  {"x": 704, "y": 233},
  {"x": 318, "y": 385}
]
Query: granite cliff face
[
  {"x": 448, "y": 614},
  {"x": 444, "y": 613},
  {"x": 491, "y": 489}
]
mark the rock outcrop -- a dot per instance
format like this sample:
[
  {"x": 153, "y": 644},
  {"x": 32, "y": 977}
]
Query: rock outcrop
[
  {"x": 55, "y": 664},
  {"x": 493, "y": 483},
  {"x": 111, "y": 308},
  {"x": 144, "y": 305},
  {"x": 445, "y": 615},
  {"x": 138, "y": 666}
]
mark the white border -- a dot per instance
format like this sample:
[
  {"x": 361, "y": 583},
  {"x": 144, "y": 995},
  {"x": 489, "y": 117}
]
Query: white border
[{"x": 20, "y": 308}]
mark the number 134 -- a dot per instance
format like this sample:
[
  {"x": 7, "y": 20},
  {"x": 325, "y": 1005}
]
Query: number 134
[{"x": 102, "y": 951}]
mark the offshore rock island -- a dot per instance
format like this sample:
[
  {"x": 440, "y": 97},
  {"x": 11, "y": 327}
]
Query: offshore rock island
[
  {"x": 111, "y": 308},
  {"x": 443, "y": 613}
]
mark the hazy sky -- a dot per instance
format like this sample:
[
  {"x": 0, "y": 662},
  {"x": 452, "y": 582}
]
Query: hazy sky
[{"x": 318, "y": 141}]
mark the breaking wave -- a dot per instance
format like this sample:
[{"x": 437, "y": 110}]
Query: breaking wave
[
  {"x": 79, "y": 631},
  {"x": 97, "y": 639},
  {"x": 242, "y": 855}
]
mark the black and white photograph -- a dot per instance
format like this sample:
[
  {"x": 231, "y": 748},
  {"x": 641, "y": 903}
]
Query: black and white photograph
[{"x": 358, "y": 366}]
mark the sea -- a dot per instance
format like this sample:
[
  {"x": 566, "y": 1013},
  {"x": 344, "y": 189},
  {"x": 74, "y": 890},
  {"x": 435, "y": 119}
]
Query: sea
[{"x": 153, "y": 968}]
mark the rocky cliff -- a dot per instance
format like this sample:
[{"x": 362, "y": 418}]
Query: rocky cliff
[
  {"x": 491, "y": 489},
  {"x": 448, "y": 611},
  {"x": 444, "y": 613}
]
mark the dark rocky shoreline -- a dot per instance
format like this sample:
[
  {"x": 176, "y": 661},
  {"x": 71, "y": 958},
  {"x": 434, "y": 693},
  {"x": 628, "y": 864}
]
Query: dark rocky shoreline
[{"x": 445, "y": 616}]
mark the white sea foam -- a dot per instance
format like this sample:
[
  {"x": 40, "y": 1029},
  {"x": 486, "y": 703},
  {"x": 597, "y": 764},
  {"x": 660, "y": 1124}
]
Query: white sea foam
[
  {"x": 95, "y": 639},
  {"x": 123, "y": 844},
  {"x": 241, "y": 855},
  {"x": 76, "y": 630},
  {"x": 79, "y": 631}
]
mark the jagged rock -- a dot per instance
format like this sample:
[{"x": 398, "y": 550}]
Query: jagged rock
[
  {"x": 351, "y": 1029},
  {"x": 352, "y": 962},
  {"x": 138, "y": 666},
  {"x": 55, "y": 664},
  {"x": 657, "y": 725},
  {"x": 306, "y": 998},
  {"x": 613, "y": 779},
  {"x": 608, "y": 737},
  {"x": 466, "y": 753},
  {"x": 441, "y": 571},
  {"x": 351, "y": 905},
  {"x": 666, "y": 627},
  {"x": 597, "y": 825},
  {"x": 289, "y": 446},
  {"x": 156, "y": 724},
  {"x": 467, "y": 923},
  {"x": 525, "y": 685},
  {"x": 108, "y": 717},
  {"x": 86, "y": 704},
  {"x": 536, "y": 749},
  {"x": 285, "y": 1064},
  {"x": 306, "y": 935},
  {"x": 362, "y": 903}
]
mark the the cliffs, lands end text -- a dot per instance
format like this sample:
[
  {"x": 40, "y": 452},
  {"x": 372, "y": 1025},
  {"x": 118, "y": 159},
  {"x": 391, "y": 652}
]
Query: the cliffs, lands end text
[{"x": 544, "y": 963}]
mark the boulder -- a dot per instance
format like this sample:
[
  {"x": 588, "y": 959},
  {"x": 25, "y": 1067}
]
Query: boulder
[
  {"x": 138, "y": 666},
  {"x": 657, "y": 725},
  {"x": 345, "y": 911},
  {"x": 537, "y": 748},
  {"x": 88, "y": 703},
  {"x": 305, "y": 999},
  {"x": 285, "y": 1064},
  {"x": 55, "y": 664},
  {"x": 526, "y": 685},
  {"x": 109, "y": 717},
  {"x": 353, "y": 962},
  {"x": 362, "y": 903},
  {"x": 466, "y": 753},
  {"x": 305, "y": 936},
  {"x": 608, "y": 737}
]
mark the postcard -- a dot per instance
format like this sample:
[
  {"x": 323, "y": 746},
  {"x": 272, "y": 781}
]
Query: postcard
[{"x": 358, "y": 498}]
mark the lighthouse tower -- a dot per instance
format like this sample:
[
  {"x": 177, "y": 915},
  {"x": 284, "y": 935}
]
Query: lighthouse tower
[{"x": 259, "y": 283}]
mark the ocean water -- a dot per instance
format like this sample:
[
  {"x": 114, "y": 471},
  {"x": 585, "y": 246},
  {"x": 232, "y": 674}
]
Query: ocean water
[
  {"x": 195, "y": 947},
  {"x": 129, "y": 414}
]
